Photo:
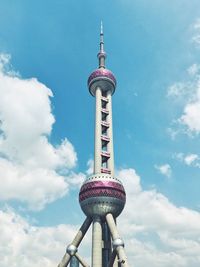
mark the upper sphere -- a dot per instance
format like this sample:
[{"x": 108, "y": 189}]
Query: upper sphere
[{"x": 102, "y": 78}]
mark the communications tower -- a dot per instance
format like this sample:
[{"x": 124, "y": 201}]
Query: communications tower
[{"x": 102, "y": 196}]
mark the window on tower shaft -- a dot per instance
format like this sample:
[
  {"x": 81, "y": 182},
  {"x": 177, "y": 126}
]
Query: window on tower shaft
[
  {"x": 103, "y": 103},
  {"x": 104, "y": 93}
]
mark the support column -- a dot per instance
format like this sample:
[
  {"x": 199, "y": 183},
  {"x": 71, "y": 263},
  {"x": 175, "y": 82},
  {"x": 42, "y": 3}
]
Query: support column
[
  {"x": 74, "y": 262},
  {"x": 97, "y": 243},
  {"x": 118, "y": 244},
  {"x": 97, "y": 154},
  {"x": 110, "y": 134},
  {"x": 116, "y": 258},
  {"x": 106, "y": 252}
]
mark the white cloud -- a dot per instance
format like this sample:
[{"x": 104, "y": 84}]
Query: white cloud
[
  {"x": 193, "y": 69},
  {"x": 164, "y": 169},
  {"x": 76, "y": 179},
  {"x": 90, "y": 165},
  {"x": 28, "y": 246},
  {"x": 189, "y": 159},
  {"x": 196, "y": 36},
  {"x": 4, "y": 60},
  {"x": 156, "y": 232},
  {"x": 191, "y": 116},
  {"x": 36, "y": 187},
  {"x": 32, "y": 169},
  {"x": 173, "y": 132},
  {"x": 129, "y": 177},
  {"x": 177, "y": 89},
  {"x": 189, "y": 93}
]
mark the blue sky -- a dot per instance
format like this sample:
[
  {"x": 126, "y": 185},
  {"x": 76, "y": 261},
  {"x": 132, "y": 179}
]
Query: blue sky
[{"x": 48, "y": 122}]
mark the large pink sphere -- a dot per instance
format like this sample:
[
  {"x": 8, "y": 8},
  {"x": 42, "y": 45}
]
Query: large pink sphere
[{"x": 102, "y": 194}]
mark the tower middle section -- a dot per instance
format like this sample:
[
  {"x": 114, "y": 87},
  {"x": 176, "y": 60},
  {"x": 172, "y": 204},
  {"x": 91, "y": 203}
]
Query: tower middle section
[{"x": 104, "y": 155}]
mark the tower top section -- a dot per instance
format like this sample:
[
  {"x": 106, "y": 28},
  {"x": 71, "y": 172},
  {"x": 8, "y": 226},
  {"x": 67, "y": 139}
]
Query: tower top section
[
  {"x": 102, "y": 54},
  {"x": 101, "y": 77}
]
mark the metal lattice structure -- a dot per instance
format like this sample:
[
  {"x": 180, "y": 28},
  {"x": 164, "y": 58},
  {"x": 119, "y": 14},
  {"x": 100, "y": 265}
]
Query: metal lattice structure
[{"x": 102, "y": 196}]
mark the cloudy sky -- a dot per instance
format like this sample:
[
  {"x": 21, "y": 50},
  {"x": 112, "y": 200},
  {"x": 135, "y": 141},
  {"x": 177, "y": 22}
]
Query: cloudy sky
[{"x": 47, "y": 51}]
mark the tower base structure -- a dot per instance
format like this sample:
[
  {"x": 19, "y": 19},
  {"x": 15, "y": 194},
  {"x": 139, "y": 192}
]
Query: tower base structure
[{"x": 107, "y": 245}]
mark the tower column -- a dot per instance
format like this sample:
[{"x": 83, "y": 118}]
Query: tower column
[
  {"x": 110, "y": 134},
  {"x": 74, "y": 262},
  {"x": 106, "y": 245},
  {"x": 97, "y": 242},
  {"x": 97, "y": 156}
]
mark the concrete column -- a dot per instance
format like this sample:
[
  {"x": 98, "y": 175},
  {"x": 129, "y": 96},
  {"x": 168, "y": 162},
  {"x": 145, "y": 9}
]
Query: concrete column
[
  {"x": 117, "y": 241},
  {"x": 115, "y": 264},
  {"x": 97, "y": 243},
  {"x": 75, "y": 243},
  {"x": 110, "y": 134},
  {"x": 97, "y": 154},
  {"x": 122, "y": 259},
  {"x": 74, "y": 262},
  {"x": 106, "y": 252}
]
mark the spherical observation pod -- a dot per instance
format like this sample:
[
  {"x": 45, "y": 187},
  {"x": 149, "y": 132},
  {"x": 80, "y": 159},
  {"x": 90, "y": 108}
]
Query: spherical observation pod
[
  {"x": 102, "y": 78},
  {"x": 101, "y": 194}
]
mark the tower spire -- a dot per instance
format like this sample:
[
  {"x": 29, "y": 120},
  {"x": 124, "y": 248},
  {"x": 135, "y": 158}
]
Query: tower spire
[
  {"x": 101, "y": 26},
  {"x": 101, "y": 55},
  {"x": 101, "y": 39}
]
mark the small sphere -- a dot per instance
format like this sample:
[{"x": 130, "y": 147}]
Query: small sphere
[
  {"x": 102, "y": 78},
  {"x": 71, "y": 250},
  {"x": 118, "y": 242},
  {"x": 102, "y": 194}
]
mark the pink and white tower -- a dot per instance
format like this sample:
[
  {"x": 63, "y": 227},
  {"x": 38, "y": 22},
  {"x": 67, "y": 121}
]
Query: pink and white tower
[{"x": 102, "y": 196}]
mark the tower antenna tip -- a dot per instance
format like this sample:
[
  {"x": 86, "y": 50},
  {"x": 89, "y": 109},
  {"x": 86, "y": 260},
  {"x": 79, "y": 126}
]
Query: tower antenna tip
[{"x": 101, "y": 27}]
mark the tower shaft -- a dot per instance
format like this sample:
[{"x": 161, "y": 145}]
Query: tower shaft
[
  {"x": 110, "y": 134},
  {"x": 104, "y": 155},
  {"x": 97, "y": 153}
]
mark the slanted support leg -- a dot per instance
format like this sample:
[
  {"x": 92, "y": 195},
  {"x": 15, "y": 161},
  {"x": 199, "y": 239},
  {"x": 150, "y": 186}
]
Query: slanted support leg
[
  {"x": 72, "y": 248},
  {"x": 118, "y": 243},
  {"x": 116, "y": 263}
]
